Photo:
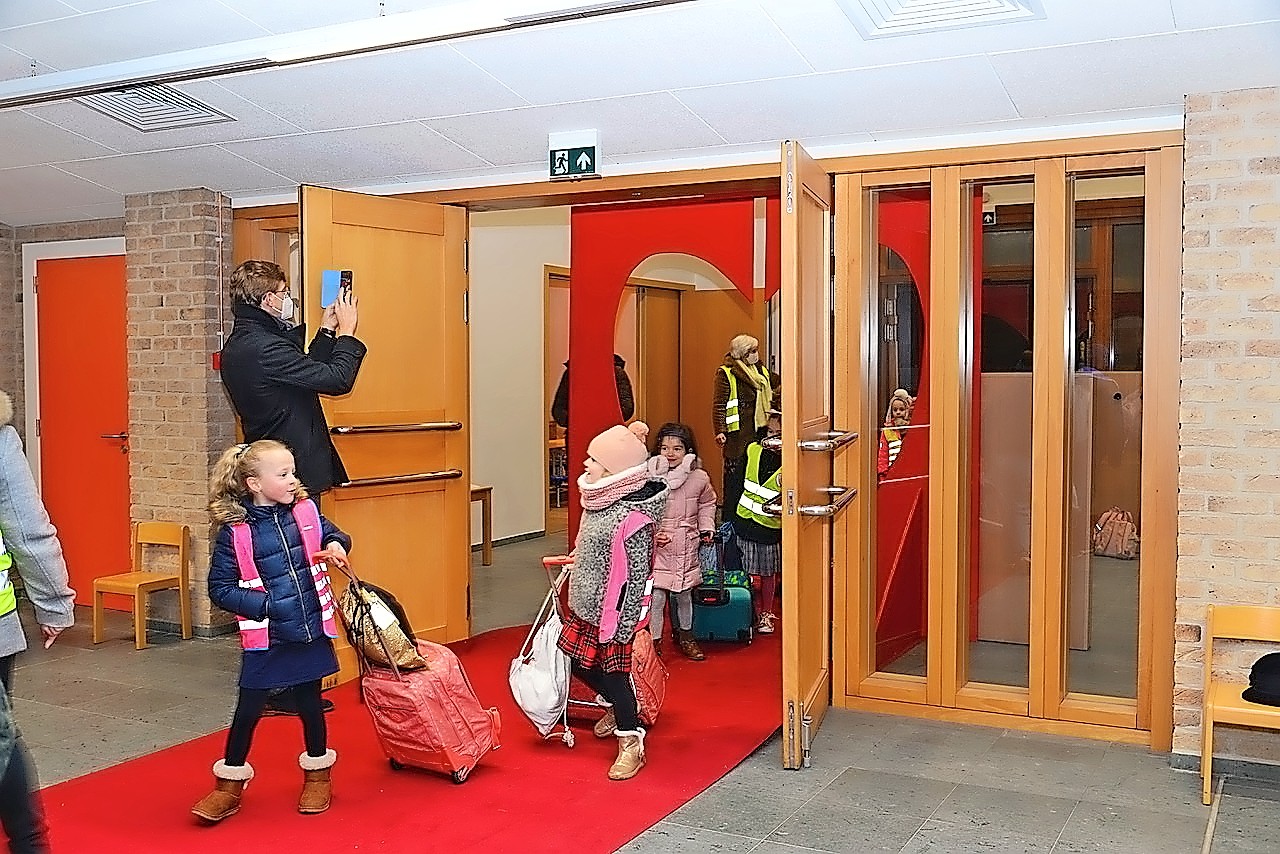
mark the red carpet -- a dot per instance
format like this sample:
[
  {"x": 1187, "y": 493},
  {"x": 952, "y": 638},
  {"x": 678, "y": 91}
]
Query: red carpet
[{"x": 528, "y": 796}]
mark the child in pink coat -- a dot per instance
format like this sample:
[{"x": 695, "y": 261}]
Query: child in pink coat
[{"x": 689, "y": 520}]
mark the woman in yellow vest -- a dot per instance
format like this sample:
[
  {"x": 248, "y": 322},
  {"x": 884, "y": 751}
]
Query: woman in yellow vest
[
  {"x": 758, "y": 531},
  {"x": 745, "y": 391}
]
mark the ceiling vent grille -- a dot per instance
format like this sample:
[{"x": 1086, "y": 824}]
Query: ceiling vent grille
[
  {"x": 881, "y": 18},
  {"x": 153, "y": 108}
]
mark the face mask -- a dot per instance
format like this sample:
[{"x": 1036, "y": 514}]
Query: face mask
[
  {"x": 753, "y": 358},
  {"x": 286, "y": 307}
]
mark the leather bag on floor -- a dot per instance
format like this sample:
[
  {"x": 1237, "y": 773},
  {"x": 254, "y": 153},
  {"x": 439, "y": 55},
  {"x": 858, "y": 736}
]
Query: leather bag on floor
[{"x": 1115, "y": 535}]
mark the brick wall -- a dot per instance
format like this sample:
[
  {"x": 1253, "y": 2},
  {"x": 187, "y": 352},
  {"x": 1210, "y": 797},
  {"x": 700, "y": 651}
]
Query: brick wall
[
  {"x": 1229, "y": 468},
  {"x": 179, "y": 418},
  {"x": 12, "y": 363}
]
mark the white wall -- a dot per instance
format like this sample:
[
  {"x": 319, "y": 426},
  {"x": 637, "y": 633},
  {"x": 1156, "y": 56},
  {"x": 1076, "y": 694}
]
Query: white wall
[{"x": 508, "y": 414}]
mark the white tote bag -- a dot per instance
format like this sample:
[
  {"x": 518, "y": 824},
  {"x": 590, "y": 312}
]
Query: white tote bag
[{"x": 539, "y": 678}]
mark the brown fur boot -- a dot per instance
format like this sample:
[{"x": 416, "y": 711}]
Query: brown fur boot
[
  {"x": 630, "y": 754},
  {"x": 317, "y": 787},
  {"x": 224, "y": 800},
  {"x": 689, "y": 647}
]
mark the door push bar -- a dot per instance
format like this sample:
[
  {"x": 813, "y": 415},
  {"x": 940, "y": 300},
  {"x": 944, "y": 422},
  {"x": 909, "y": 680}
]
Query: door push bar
[
  {"x": 844, "y": 496},
  {"x": 420, "y": 426},
  {"x": 447, "y": 474},
  {"x": 830, "y": 441}
]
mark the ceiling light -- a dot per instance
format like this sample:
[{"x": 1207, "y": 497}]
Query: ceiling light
[{"x": 388, "y": 32}]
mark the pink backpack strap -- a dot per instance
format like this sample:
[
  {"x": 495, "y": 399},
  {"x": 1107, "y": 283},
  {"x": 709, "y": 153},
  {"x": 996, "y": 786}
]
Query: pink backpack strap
[
  {"x": 618, "y": 575},
  {"x": 307, "y": 518},
  {"x": 253, "y": 633}
]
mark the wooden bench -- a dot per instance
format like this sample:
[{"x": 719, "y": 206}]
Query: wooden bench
[
  {"x": 1222, "y": 701},
  {"x": 484, "y": 494}
]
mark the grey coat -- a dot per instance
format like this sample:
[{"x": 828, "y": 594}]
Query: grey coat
[{"x": 31, "y": 540}]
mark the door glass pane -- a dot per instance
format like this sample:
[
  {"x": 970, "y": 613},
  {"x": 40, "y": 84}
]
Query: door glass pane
[
  {"x": 1106, "y": 438},
  {"x": 999, "y": 589},
  {"x": 901, "y": 294}
]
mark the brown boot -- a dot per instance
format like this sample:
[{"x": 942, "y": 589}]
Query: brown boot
[
  {"x": 606, "y": 725},
  {"x": 630, "y": 754},
  {"x": 224, "y": 800},
  {"x": 317, "y": 788},
  {"x": 689, "y": 647}
]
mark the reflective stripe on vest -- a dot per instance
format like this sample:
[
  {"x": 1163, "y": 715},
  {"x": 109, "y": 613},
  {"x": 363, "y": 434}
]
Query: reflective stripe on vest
[
  {"x": 893, "y": 441},
  {"x": 8, "y": 597},
  {"x": 731, "y": 419},
  {"x": 755, "y": 495},
  {"x": 255, "y": 634}
]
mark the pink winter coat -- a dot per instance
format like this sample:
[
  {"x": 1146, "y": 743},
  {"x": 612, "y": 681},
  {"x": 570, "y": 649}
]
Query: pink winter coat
[{"x": 691, "y": 509}]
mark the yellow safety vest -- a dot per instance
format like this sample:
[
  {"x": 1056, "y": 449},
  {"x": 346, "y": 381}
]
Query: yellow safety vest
[
  {"x": 755, "y": 495},
  {"x": 731, "y": 419},
  {"x": 8, "y": 598}
]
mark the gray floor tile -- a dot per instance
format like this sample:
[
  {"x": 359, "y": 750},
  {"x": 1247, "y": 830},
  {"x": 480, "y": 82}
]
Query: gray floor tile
[
  {"x": 667, "y": 838},
  {"x": 940, "y": 837},
  {"x": 998, "y": 811},
  {"x": 881, "y": 791},
  {"x": 721, "y": 810},
  {"x": 1247, "y": 824},
  {"x": 1047, "y": 746},
  {"x": 830, "y": 827},
  {"x": 1164, "y": 832}
]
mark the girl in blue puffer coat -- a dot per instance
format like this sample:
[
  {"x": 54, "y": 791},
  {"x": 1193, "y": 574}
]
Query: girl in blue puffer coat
[{"x": 268, "y": 568}]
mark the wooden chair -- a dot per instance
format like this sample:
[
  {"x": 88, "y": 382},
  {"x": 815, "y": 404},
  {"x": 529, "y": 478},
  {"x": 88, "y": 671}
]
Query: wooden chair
[
  {"x": 139, "y": 583},
  {"x": 1222, "y": 701}
]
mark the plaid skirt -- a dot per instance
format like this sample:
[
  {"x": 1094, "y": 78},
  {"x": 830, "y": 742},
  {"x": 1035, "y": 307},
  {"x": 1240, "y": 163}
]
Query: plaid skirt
[
  {"x": 581, "y": 641},
  {"x": 760, "y": 558}
]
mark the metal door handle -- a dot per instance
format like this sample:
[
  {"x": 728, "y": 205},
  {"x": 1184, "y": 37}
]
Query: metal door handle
[
  {"x": 844, "y": 497},
  {"x": 114, "y": 436},
  {"x": 447, "y": 474},
  {"x": 830, "y": 441},
  {"x": 773, "y": 508},
  {"x": 420, "y": 426}
]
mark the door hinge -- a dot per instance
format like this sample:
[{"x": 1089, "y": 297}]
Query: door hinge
[
  {"x": 791, "y": 730},
  {"x": 466, "y": 307},
  {"x": 806, "y": 733},
  {"x": 466, "y": 256},
  {"x": 37, "y": 426},
  {"x": 35, "y": 284}
]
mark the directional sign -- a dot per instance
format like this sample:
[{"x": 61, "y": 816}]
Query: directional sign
[{"x": 575, "y": 162}]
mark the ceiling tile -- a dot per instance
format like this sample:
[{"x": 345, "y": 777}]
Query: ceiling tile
[
  {"x": 849, "y": 102},
  {"x": 47, "y": 187},
  {"x": 377, "y": 89},
  {"x": 181, "y": 168},
  {"x": 627, "y": 126},
  {"x": 14, "y": 65},
  {"x": 287, "y": 16},
  {"x": 1140, "y": 72},
  {"x": 1194, "y": 14},
  {"x": 30, "y": 141},
  {"x": 357, "y": 154},
  {"x": 250, "y": 122},
  {"x": 130, "y": 32},
  {"x": 691, "y": 44},
  {"x": 16, "y": 13}
]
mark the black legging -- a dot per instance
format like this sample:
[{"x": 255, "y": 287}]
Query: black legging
[
  {"x": 617, "y": 689},
  {"x": 249, "y": 711},
  {"x": 21, "y": 814}
]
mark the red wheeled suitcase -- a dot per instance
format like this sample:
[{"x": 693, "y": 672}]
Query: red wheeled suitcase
[{"x": 430, "y": 718}]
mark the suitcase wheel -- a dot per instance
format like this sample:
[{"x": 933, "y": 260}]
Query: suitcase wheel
[
  {"x": 460, "y": 776},
  {"x": 744, "y": 635},
  {"x": 395, "y": 766}
]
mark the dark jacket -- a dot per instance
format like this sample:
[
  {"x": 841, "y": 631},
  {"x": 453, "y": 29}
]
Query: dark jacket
[
  {"x": 749, "y": 529},
  {"x": 736, "y": 442},
  {"x": 275, "y": 388},
  {"x": 288, "y": 596},
  {"x": 626, "y": 399}
]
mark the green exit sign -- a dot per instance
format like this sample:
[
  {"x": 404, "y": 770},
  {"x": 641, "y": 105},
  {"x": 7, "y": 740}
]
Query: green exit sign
[{"x": 574, "y": 162}]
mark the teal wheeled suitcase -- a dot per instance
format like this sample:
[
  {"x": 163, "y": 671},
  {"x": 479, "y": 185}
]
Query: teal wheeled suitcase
[{"x": 722, "y": 610}]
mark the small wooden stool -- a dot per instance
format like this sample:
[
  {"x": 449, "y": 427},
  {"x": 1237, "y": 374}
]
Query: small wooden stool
[{"x": 484, "y": 494}]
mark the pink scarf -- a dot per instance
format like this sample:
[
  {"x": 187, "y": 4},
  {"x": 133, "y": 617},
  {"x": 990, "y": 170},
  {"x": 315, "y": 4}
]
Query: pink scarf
[{"x": 606, "y": 491}]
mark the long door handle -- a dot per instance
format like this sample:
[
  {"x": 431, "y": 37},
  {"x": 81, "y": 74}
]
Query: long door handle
[
  {"x": 829, "y": 441},
  {"x": 416, "y": 427},
  {"x": 446, "y": 474},
  {"x": 115, "y": 436},
  {"x": 843, "y": 497}
]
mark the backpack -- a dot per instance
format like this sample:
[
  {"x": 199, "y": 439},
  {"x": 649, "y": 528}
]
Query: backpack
[
  {"x": 1115, "y": 535},
  {"x": 378, "y": 627}
]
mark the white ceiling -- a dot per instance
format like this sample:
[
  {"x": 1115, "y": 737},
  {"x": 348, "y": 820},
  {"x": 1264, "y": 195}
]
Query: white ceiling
[{"x": 708, "y": 82}]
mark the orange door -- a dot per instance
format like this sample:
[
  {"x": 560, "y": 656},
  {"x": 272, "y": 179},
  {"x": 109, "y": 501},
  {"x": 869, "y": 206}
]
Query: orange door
[{"x": 84, "y": 413}]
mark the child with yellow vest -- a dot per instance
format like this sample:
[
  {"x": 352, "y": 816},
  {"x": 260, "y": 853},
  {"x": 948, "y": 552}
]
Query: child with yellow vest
[{"x": 759, "y": 532}]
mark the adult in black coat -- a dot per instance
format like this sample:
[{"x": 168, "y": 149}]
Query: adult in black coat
[
  {"x": 626, "y": 399},
  {"x": 275, "y": 385}
]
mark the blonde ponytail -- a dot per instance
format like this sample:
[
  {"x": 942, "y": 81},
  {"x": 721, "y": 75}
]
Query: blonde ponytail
[{"x": 227, "y": 484}]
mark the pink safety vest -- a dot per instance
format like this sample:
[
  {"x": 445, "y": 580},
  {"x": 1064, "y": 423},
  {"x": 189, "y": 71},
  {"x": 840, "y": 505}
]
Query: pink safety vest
[{"x": 254, "y": 633}]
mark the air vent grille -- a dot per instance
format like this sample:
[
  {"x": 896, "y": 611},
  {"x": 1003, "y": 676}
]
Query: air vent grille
[
  {"x": 153, "y": 108},
  {"x": 881, "y": 18}
]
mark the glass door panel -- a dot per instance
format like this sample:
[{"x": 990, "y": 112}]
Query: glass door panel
[{"x": 900, "y": 291}]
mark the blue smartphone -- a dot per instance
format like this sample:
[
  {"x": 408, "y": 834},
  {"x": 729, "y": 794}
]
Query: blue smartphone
[{"x": 331, "y": 284}]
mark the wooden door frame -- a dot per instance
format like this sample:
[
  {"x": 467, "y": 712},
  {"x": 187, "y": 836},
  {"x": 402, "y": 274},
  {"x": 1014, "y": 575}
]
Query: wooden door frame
[
  {"x": 1149, "y": 718},
  {"x": 32, "y": 253}
]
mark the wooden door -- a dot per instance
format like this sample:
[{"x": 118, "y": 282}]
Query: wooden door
[
  {"x": 84, "y": 414},
  {"x": 658, "y": 369},
  {"x": 809, "y": 500},
  {"x": 402, "y": 431}
]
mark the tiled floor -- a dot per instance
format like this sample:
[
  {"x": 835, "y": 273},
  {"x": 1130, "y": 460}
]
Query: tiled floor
[{"x": 878, "y": 783}]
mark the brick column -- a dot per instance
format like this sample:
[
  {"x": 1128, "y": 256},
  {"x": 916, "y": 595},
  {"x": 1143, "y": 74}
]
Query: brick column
[
  {"x": 177, "y": 247},
  {"x": 1229, "y": 475}
]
